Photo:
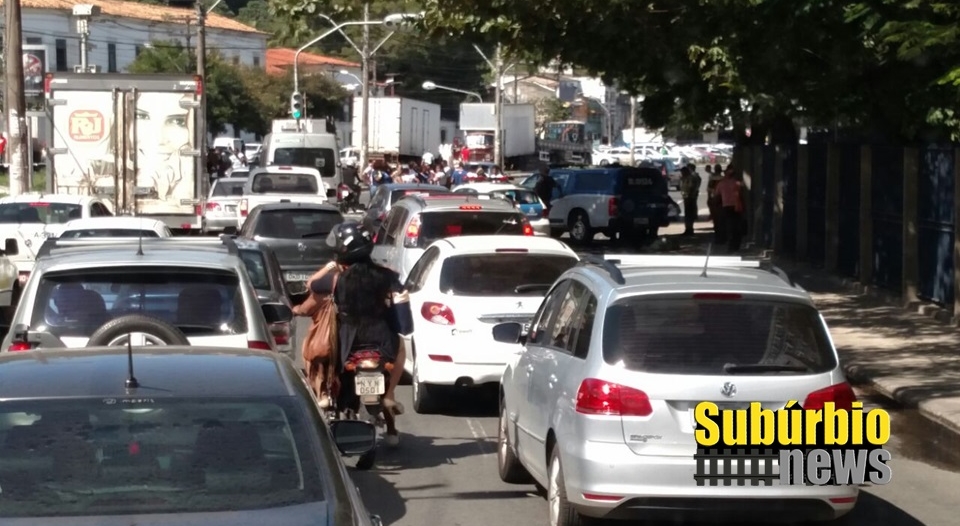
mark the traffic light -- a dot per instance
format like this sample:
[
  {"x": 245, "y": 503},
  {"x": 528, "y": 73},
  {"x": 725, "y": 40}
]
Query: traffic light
[{"x": 296, "y": 105}]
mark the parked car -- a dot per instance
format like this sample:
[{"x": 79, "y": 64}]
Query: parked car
[{"x": 115, "y": 226}]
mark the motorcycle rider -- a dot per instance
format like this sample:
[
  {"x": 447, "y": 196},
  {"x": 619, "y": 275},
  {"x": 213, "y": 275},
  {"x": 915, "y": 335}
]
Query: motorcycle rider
[{"x": 373, "y": 309}]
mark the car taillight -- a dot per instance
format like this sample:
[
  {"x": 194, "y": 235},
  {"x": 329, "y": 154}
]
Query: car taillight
[
  {"x": 258, "y": 345},
  {"x": 597, "y": 397},
  {"x": 198, "y": 210},
  {"x": 841, "y": 395},
  {"x": 244, "y": 207},
  {"x": 280, "y": 333},
  {"x": 545, "y": 212},
  {"x": 413, "y": 233},
  {"x": 20, "y": 346},
  {"x": 213, "y": 206},
  {"x": 437, "y": 313},
  {"x": 527, "y": 229},
  {"x": 612, "y": 207}
]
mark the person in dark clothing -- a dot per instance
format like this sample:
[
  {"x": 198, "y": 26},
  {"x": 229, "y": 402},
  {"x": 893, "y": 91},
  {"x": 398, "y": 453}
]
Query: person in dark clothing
[
  {"x": 545, "y": 186},
  {"x": 690, "y": 191},
  {"x": 373, "y": 309}
]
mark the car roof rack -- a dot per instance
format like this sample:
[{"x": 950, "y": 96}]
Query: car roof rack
[
  {"x": 52, "y": 245},
  {"x": 612, "y": 263}
]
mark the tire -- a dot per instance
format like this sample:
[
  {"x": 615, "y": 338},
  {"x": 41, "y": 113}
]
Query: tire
[
  {"x": 559, "y": 510},
  {"x": 424, "y": 402},
  {"x": 511, "y": 470},
  {"x": 579, "y": 227},
  {"x": 603, "y": 162},
  {"x": 156, "y": 327}
]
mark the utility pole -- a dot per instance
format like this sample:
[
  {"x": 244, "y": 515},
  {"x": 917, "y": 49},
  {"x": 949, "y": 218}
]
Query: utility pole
[
  {"x": 498, "y": 108},
  {"x": 633, "y": 129},
  {"x": 15, "y": 104},
  {"x": 201, "y": 111},
  {"x": 365, "y": 88}
]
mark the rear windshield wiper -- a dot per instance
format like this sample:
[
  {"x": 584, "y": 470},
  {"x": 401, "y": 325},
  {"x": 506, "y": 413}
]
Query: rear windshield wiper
[
  {"x": 315, "y": 234},
  {"x": 532, "y": 287},
  {"x": 734, "y": 368}
]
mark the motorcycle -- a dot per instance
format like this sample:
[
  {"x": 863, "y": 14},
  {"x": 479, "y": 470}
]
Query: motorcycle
[
  {"x": 348, "y": 199},
  {"x": 363, "y": 383}
]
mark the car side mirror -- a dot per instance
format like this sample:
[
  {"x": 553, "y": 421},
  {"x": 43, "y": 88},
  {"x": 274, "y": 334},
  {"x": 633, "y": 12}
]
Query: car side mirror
[
  {"x": 230, "y": 231},
  {"x": 510, "y": 332},
  {"x": 276, "y": 313},
  {"x": 10, "y": 247},
  {"x": 353, "y": 437}
]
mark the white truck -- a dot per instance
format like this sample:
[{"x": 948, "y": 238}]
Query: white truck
[
  {"x": 400, "y": 129},
  {"x": 277, "y": 184},
  {"x": 308, "y": 144},
  {"x": 478, "y": 121},
  {"x": 130, "y": 139}
]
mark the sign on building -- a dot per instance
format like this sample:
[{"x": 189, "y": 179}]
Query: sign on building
[{"x": 35, "y": 67}]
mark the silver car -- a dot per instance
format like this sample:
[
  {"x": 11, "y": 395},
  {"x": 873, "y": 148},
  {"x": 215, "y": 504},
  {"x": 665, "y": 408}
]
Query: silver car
[
  {"x": 220, "y": 209},
  {"x": 598, "y": 406},
  {"x": 524, "y": 199}
]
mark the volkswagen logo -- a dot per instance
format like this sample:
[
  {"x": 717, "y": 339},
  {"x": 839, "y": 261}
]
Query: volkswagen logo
[
  {"x": 301, "y": 247},
  {"x": 729, "y": 390}
]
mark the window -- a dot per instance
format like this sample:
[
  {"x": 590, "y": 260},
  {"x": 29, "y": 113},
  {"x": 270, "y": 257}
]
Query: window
[
  {"x": 565, "y": 327},
  {"x": 223, "y": 188},
  {"x": 296, "y": 223},
  {"x": 585, "y": 331},
  {"x": 548, "y": 311},
  {"x": 595, "y": 183},
  {"x": 421, "y": 271},
  {"x": 137, "y": 50},
  {"x": 199, "y": 302},
  {"x": 108, "y": 232},
  {"x": 256, "y": 268},
  {"x": 236, "y": 60},
  {"x": 285, "y": 183},
  {"x": 695, "y": 336},
  {"x": 61, "y": 50},
  {"x": 520, "y": 197},
  {"x": 443, "y": 136},
  {"x": 391, "y": 227},
  {"x": 99, "y": 210},
  {"x": 503, "y": 274},
  {"x": 227, "y": 455},
  {"x": 39, "y": 212},
  {"x": 438, "y": 225},
  {"x": 323, "y": 159},
  {"x": 111, "y": 58},
  {"x": 34, "y": 40},
  {"x": 256, "y": 61}
]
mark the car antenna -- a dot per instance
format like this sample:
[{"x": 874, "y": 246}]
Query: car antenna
[
  {"x": 706, "y": 261},
  {"x": 131, "y": 382},
  {"x": 140, "y": 238}
]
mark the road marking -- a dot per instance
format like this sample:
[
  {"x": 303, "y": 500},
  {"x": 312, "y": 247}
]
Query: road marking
[{"x": 478, "y": 434}]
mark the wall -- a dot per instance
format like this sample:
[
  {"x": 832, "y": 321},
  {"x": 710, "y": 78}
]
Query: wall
[{"x": 881, "y": 214}]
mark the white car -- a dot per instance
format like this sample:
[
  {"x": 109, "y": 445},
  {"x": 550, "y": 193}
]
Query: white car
[
  {"x": 33, "y": 217},
  {"x": 459, "y": 289},
  {"x": 220, "y": 210},
  {"x": 117, "y": 226}
]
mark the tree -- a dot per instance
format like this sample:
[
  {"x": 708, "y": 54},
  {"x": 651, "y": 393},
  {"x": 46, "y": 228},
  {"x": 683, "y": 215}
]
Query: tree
[{"x": 271, "y": 95}]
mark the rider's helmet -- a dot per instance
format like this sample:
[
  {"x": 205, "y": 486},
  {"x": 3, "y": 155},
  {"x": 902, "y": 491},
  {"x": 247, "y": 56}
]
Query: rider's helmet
[{"x": 350, "y": 242}]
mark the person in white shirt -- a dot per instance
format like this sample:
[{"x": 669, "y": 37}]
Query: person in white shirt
[{"x": 427, "y": 158}]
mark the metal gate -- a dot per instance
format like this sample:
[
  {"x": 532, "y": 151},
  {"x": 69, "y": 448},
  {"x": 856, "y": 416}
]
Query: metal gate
[
  {"x": 935, "y": 213},
  {"x": 887, "y": 211},
  {"x": 848, "y": 251},
  {"x": 788, "y": 223},
  {"x": 816, "y": 203},
  {"x": 767, "y": 191}
]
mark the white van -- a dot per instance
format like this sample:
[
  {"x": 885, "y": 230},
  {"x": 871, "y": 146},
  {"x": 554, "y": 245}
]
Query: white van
[
  {"x": 231, "y": 143},
  {"x": 310, "y": 150}
]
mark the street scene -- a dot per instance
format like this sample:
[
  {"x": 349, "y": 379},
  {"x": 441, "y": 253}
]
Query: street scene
[{"x": 381, "y": 263}]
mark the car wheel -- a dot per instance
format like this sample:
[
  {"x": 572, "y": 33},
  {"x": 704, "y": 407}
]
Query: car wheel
[
  {"x": 604, "y": 162},
  {"x": 423, "y": 402},
  {"x": 152, "y": 331},
  {"x": 580, "y": 231},
  {"x": 511, "y": 470},
  {"x": 560, "y": 511}
]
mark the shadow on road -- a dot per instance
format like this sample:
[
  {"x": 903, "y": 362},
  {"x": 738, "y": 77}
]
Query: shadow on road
[
  {"x": 422, "y": 452},
  {"x": 380, "y": 495}
]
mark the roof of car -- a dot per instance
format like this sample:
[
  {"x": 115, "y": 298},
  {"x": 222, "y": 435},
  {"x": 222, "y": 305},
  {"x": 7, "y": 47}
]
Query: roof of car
[
  {"x": 32, "y": 197},
  {"x": 123, "y": 252},
  {"x": 454, "y": 201},
  {"x": 162, "y": 371},
  {"x": 233, "y": 179},
  {"x": 490, "y": 187},
  {"x": 490, "y": 244},
  {"x": 130, "y": 222},
  {"x": 416, "y": 186},
  {"x": 290, "y": 205},
  {"x": 283, "y": 169}
]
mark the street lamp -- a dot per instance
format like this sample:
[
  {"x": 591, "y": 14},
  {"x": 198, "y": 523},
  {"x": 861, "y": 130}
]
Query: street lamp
[
  {"x": 430, "y": 86},
  {"x": 346, "y": 73}
]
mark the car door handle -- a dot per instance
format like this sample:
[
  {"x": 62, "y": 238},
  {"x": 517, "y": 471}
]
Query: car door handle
[{"x": 529, "y": 369}]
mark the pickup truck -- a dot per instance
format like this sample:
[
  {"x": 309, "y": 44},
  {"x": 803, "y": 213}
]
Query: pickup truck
[{"x": 281, "y": 184}]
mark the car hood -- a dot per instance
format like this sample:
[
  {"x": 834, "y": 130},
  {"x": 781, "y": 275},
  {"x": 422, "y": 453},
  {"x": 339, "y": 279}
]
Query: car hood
[{"x": 300, "y": 515}]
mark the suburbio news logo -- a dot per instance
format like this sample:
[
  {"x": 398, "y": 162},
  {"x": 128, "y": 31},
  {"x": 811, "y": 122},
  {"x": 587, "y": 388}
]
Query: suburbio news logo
[{"x": 817, "y": 447}]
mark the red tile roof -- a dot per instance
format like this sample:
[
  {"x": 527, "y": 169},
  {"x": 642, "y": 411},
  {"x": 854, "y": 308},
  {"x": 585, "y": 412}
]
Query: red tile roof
[
  {"x": 136, "y": 10},
  {"x": 280, "y": 60}
]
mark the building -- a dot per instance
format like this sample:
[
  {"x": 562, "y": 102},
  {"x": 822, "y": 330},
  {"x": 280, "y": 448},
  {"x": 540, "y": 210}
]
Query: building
[{"x": 123, "y": 29}]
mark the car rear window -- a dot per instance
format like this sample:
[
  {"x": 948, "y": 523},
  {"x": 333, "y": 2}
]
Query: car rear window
[
  {"x": 228, "y": 188},
  {"x": 397, "y": 195},
  {"x": 438, "y": 225},
  {"x": 296, "y": 223},
  {"x": 256, "y": 268},
  {"x": 703, "y": 336},
  {"x": 200, "y": 302},
  {"x": 86, "y": 457},
  {"x": 502, "y": 274},
  {"x": 285, "y": 183},
  {"x": 39, "y": 212},
  {"x": 323, "y": 159},
  {"x": 520, "y": 197},
  {"x": 108, "y": 232}
]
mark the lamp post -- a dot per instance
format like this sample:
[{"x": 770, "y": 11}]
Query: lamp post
[
  {"x": 430, "y": 86},
  {"x": 346, "y": 73}
]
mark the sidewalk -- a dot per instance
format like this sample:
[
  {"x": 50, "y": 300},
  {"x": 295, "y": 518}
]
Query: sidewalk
[{"x": 910, "y": 358}]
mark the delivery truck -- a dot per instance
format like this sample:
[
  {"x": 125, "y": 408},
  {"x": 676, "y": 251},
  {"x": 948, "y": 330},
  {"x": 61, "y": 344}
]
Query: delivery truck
[
  {"x": 131, "y": 140},
  {"x": 478, "y": 121},
  {"x": 400, "y": 130}
]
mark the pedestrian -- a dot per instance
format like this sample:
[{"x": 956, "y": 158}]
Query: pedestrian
[
  {"x": 690, "y": 191},
  {"x": 545, "y": 186},
  {"x": 319, "y": 349},
  {"x": 715, "y": 205},
  {"x": 369, "y": 176},
  {"x": 730, "y": 191},
  {"x": 459, "y": 175}
]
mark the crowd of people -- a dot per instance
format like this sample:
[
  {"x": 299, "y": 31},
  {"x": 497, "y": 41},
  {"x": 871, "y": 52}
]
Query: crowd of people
[{"x": 428, "y": 171}]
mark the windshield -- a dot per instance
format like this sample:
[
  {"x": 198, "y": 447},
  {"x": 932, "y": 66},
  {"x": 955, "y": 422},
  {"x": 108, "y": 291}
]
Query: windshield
[
  {"x": 108, "y": 232},
  {"x": 285, "y": 183},
  {"x": 296, "y": 223},
  {"x": 323, "y": 159},
  {"x": 701, "y": 336},
  {"x": 479, "y": 141},
  {"x": 163, "y": 455},
  {"x": 228, "y": 188},
  {"x": 200, "y": 302},
  {"x": 501, "y": 274},
  {"x": 39, "y": 212},
  {"x": 438, "y": 225},
  {"x": 256, "y": 268}
]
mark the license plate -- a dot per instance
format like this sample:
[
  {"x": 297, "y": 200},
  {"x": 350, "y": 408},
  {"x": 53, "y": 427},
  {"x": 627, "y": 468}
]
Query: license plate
[
  {"x": 641, "y": 221},
  {"x": 370, "y": 384},
  {"x": 296, "y": 276}
]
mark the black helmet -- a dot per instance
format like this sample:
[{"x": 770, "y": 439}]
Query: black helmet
[{"x": 350, "y": 242}]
